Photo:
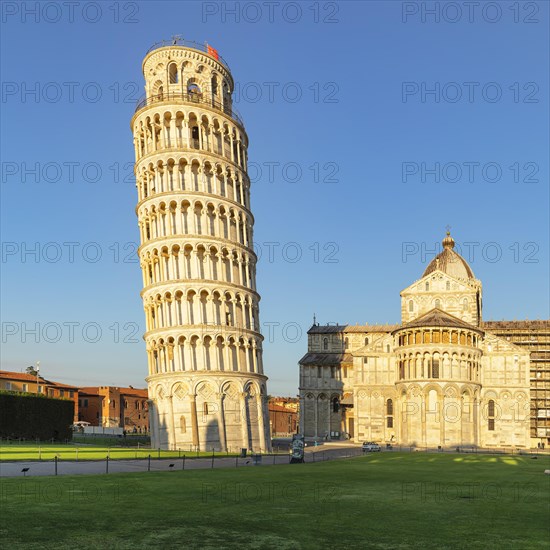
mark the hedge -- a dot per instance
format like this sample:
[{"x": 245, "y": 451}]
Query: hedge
[{"x": 30, "y": 416}]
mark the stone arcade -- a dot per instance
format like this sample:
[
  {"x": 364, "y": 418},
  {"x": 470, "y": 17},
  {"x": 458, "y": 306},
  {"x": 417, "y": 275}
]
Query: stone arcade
[{"x": 206, "y": 383}]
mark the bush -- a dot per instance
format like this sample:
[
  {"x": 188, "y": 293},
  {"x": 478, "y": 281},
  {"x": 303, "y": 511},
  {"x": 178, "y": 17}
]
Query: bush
[{"x": 29, "y": 416}]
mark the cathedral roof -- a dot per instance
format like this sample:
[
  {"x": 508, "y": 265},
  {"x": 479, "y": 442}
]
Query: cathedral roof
[
  {"x": 362, "y": 329},
  {"x": 438, "y": 318},
  {"x": 370, "y": 328},
  {"x": 326, "y": 329},
  {"x": 326, "y": 359},
  {"x": 450, "y": 262}
]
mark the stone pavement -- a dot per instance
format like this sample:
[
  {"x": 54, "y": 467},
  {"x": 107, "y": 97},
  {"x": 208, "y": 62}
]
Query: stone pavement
[{"x": 71, "y": 467}]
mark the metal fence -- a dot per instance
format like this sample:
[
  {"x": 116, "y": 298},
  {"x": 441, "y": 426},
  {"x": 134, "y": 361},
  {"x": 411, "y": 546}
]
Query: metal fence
[{"x": 155, "y": 462}]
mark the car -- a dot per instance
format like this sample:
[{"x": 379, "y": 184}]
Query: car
[
  {"x": 297, "y": 449},
  {"x": 371, "y": 447},
  {"x": 80, "y": 424}
]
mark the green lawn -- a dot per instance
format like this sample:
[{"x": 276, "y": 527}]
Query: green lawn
[
  {"x": 106, "y": 441},
  {"x": 88, "y": 452},
  {"x": 388, "y": 500}
]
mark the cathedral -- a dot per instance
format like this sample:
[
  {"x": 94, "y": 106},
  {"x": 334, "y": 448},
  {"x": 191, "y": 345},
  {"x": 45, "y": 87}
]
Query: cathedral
[{"x": 440, "y": 378}]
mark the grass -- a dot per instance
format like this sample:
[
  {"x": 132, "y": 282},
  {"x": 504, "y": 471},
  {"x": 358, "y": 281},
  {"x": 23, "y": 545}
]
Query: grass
[
  {"x": 388, "y": 500},
  {"x": 128, "y": 441},
  {"x": 48, "y": 451}
]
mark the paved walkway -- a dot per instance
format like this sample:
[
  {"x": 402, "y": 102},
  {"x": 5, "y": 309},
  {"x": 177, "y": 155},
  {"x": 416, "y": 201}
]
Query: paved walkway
[{"x": 71, "y": 467}]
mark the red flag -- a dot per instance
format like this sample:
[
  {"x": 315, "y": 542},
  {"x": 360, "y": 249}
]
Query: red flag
[{"x": 213, "y": 52}]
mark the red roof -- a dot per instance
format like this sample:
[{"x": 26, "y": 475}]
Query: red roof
[
  {"x": 7, "y": 375},
  {"x": 60, "y": 385},
  {"x": 132, "y": 392},
  {"x": 25, "y": 377},
  {"x": 281, "y": 409},
  {"x": 89, "y": 390}
]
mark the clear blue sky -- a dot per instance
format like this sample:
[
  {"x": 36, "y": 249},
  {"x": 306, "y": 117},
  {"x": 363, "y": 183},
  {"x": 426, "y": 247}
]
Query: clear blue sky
[{"x": 369, "y": 139}]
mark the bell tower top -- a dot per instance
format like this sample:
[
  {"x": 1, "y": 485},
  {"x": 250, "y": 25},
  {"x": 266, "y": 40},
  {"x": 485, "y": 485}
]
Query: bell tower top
[
  {"x": 176, "y": 61},
  {"x": 182, "y": 70}
]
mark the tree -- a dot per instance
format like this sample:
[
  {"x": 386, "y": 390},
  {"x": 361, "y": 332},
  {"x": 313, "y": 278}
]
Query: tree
[{"x": 31, "y": 370}]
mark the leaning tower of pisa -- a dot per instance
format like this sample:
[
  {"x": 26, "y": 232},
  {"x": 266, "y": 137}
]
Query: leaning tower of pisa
[{"x": 206, "y": 384}]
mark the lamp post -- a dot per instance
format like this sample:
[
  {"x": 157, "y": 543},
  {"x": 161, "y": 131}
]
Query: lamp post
[{"x": 37, "y": 373}]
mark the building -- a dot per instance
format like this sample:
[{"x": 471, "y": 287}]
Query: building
[
  {"x": 90, "y": 406},
  {"x": 442, "y": 377},
  {"x": 30, "y": 383},
  {"x": 292, "y": 403},
  {"x": 114, "y": 407},
  {"x": 533, "y": 336},
  {"x": 283, "y": 416},
  {"x": 206, "y": 383}
]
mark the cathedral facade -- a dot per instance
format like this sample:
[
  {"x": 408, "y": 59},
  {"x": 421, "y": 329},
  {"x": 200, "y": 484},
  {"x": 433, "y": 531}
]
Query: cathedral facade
[{"x": 440, "y": 378}]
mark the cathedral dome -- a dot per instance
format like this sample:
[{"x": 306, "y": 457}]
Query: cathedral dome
[{"x": 450, "y": 262}]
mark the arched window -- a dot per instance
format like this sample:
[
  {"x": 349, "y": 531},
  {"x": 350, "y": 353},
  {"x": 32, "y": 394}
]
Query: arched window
[
  {"x": 205, "y": 408},
  {"x": 366, "y": 341},
  {"x": 389, "y": 413},
  {"x": 325, "y": 344},
  {"x": 411, "y": 305},
  {"x": 225, "y": 96},
  {"x": 465, "y": 304},
  {"x": 193, "y": 88},
  {"x": 491, "y": 416},
  {"x": 346, "y": 343},
  {"x": 438, "y": 303},
  {"x": 335, "y": 405},
  {"x": 173, "y": 73},
  {"x": 427, "y": 286},
  {"x": 448, "y": 285},
  {"x": 183, "y": 427},
  {"x": 195, "y": 136}
]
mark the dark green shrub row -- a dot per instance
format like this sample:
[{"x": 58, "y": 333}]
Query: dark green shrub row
[{"x": 31, "y": 416}]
